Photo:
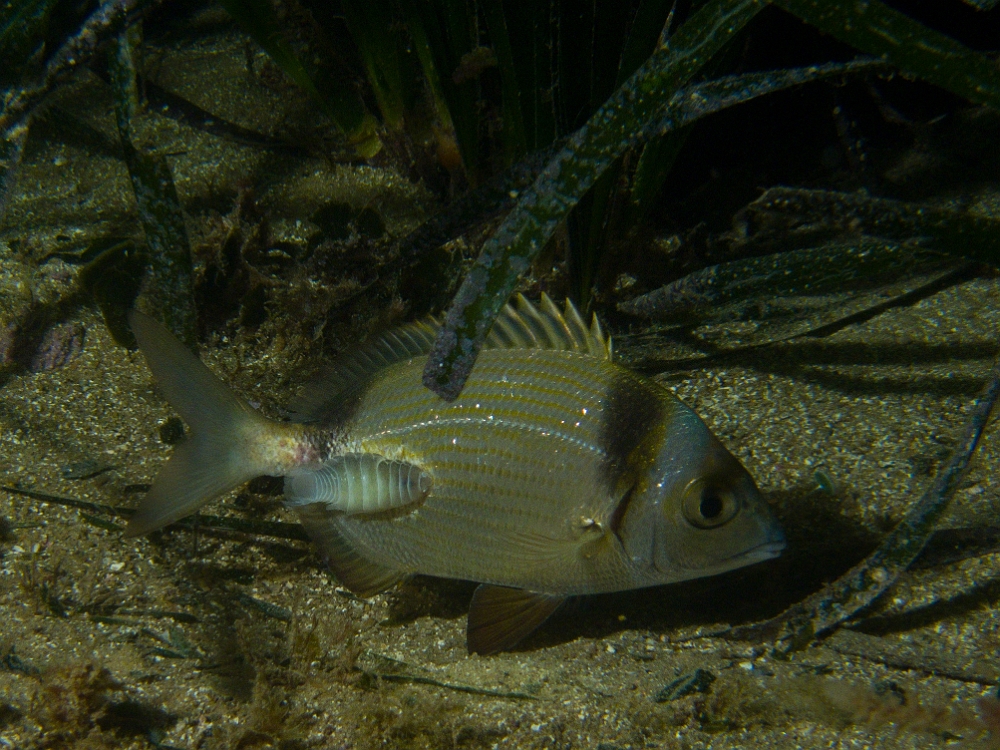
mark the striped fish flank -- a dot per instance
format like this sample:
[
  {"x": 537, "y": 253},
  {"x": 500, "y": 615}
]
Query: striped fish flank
[{"x": 555, "y": 473}]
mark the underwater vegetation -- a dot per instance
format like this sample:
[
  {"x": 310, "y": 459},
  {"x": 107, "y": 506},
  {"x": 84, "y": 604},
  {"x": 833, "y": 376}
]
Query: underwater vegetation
[
  {"x": 440, "y": 90},
  {"x": 722, "y": 182}
]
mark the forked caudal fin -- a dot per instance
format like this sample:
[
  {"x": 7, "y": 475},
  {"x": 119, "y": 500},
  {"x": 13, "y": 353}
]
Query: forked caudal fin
[{"x": 217, "y": 455}]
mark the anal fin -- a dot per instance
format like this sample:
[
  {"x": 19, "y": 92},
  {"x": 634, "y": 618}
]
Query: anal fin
[
  {"x": 501, "y": 617},
  {"x": 360, "y": 575}
]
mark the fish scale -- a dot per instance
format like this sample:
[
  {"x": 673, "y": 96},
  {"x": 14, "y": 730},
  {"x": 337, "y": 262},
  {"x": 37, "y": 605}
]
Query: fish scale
[
  {"x": 556, "y": 472},
  {"x": 500, "y": 517}
]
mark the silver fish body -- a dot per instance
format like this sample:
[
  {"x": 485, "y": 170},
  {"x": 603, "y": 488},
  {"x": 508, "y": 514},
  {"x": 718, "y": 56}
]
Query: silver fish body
[{"x": 555, "y": 473}]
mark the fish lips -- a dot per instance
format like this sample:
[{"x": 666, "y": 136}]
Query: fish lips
[{"x": 767, "y": 550}]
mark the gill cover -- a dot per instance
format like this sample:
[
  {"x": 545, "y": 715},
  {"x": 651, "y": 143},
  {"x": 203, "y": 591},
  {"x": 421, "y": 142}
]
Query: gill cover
[{"x": 698, "y": 511}]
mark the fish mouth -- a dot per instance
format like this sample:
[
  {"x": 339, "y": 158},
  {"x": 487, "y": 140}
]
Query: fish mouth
[
  {"x": 766, "y": 551},
  {"x": 772, "y": 546}
]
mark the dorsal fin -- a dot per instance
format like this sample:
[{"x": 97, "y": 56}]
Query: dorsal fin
[
  {"x": 356, "y": 367},
  {"x": 521, "y": 325},
  {"x": 544, "y": 327}
]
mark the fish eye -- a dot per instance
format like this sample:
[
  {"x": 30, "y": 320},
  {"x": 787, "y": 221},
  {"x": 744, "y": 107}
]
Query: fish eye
[
  {"x": 711, "y": 504},
  {"x": 707, "y": 506}
]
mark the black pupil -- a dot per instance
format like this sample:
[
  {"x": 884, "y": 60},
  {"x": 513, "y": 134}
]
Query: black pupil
[{"x": 711, "y": 504}]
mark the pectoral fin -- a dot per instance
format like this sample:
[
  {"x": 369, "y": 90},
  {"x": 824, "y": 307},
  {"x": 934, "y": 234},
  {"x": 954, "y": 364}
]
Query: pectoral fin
[
  {"x": 501, "y": 617},
  {"x": 358, "y": 483},
  {"x": 360, "y": 575}
]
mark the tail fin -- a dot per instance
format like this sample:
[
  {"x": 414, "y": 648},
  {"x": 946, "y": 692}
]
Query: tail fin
[{"x": 217, "y": 455}]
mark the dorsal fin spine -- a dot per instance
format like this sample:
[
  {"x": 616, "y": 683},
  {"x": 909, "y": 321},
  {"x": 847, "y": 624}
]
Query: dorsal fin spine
[{"x": 521, "y": 325}]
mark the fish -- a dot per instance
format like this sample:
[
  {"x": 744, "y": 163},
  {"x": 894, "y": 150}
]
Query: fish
[{"x": 556, "y": 472}]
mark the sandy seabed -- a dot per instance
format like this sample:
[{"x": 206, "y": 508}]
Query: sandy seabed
[{"x": 205, "y": 639}]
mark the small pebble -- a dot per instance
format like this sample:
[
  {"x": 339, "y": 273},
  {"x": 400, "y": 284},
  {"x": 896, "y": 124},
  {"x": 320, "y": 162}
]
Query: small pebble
[
  {"x": 172, "y": 431},
  {"x": 697, "y": 681},
  {"x": 59, "y": 346},
  {"x": 83, "y": 469}
]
